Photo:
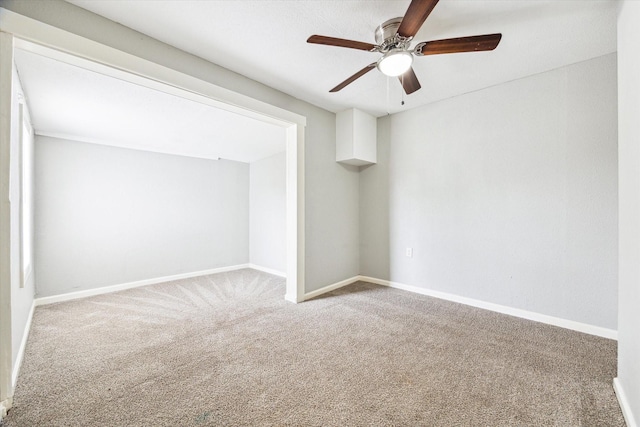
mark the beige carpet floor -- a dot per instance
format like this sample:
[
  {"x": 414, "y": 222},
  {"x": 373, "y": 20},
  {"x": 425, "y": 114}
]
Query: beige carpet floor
[{"x": 227, "y": 350}]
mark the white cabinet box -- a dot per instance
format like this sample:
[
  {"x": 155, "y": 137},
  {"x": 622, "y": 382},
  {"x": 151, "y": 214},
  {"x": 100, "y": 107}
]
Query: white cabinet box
[{"x": 355, "y": 137}]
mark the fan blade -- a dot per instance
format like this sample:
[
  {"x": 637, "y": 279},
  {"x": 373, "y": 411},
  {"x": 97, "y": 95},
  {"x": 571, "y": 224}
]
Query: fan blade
[
  {"x": 351, "y": 79},
  {"x": 332, "y": 41},
  {"x": 409, "y": 81},
  {"x": 415, "y": 16},
  {"x": 460, "y": 44}
]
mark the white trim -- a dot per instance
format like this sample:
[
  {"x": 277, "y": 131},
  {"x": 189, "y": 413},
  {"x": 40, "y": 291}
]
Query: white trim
[
  {"x": 6, "y": 263},
  {"x": 331, "y": 287},
  {"x": 292, "y": 298},
  {"x": 530, "y": 315},
  {"x": 624, "y": 403},
  {"x": 295, "y": 212},
  {"x": 516, "y": 312},
  {"x": 5, "y": 405},
  {"x": 23, "y": 345},
  {"x": 268, "y": 270},
  {"x": 123, "y": 286}
]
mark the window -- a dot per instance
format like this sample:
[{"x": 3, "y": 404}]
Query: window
[{"x": 26, "y": 194}]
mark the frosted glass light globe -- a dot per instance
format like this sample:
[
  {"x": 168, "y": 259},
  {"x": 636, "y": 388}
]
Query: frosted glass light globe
[{"x": 395, "y": 62}]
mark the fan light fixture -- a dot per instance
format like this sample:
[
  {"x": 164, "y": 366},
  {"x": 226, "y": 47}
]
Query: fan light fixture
[
  {"x": 393, "y": 40},
  {"x": 395, "y": 62}
]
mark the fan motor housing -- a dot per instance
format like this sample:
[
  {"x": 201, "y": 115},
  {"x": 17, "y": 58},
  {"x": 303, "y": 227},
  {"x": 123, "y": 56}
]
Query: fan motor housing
[
  {"x": 387, "y": 35},
  {"x": 387, "y": 29}
]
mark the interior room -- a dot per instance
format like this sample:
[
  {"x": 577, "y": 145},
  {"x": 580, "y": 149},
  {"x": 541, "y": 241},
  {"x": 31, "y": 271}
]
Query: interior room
[
  {"x": 148, "y": 214},
  {"x": 206, "y": 226}
]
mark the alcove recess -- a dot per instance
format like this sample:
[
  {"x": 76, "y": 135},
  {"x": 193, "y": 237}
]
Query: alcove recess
[{"x": 355, "y": 138}]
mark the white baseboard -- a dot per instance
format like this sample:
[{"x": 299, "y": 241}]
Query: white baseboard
[
  {"x": 542, "y": 318},
  {"x": 268, "y": 270},
  {"x": 115, "y": 288},
  {"x": 624, "y": 404},
  {"x": 516, "y": 312},
  {"x": 530, "y": 315},
  {"x": 292, "y": 298},
  {"x": 5, "y": 405},
  {"x": 23, "y": 345},
  {"x": 331, "y": 287}
]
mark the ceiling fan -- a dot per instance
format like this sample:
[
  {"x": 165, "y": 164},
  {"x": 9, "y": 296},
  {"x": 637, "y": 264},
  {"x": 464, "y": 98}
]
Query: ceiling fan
[{"x": 393, "y": 38}]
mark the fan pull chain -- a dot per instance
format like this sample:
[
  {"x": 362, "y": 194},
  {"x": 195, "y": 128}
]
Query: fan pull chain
[
  {"x": 388, "y": 112},
  {"x": 402, "y": 91}
]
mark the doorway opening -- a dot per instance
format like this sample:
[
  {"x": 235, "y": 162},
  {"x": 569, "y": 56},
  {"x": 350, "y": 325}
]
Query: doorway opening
[{"x": 35, "y": 37}]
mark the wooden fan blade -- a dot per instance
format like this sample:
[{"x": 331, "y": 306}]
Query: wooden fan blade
[
  {"x": 409, "y": 81},
  {"x": 460, "y": 44},
  {"x": 332, "y": 41},
  {"x": 415, "y": 16},
  {"x": 357, "y": 75}
]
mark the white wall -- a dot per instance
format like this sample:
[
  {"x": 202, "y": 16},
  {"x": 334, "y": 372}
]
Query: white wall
[
  {"x": 331, "y": 199},
  {"x": 628, "y": 380},
  {"x": 107, "y": 216},
  {"x": 374, "y": 208},
  {"x": 267, "y": 213},
  {"x": 21, "y": 297},
  {"x": 331, "y": 209},
  {"x": 507, "y": 195}
]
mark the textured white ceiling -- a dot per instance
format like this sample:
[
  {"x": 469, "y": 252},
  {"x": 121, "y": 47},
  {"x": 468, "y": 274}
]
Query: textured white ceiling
[
  {"x": 266, "y": 40},
  {"x": 72, "y": 102}
]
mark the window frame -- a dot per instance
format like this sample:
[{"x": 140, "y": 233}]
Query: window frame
[{"x": 26, "y": 146}]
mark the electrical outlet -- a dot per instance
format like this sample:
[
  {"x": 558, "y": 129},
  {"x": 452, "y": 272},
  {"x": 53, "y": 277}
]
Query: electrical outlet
[{"x": 409, "y": 252}]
